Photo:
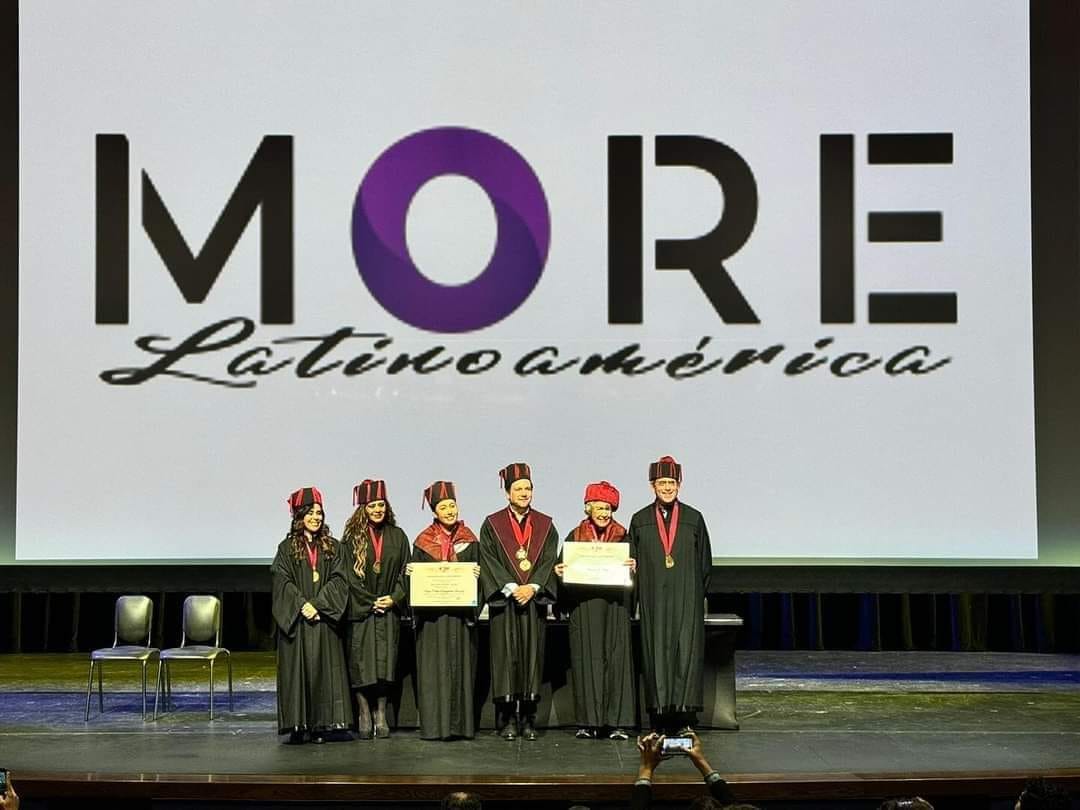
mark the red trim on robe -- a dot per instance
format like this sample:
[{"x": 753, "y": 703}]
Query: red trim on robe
[
  {"x": 584, "y": 533},
  {"x": 504, "y": 532},
  {"x": 429, "y": 542}
]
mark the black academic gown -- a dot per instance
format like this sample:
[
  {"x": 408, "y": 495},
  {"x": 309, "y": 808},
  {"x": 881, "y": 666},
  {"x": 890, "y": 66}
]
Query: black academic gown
[
  {"x": 445, "y": 657},
  {"x": 372, "y": 638},
  {"x": 600, "y": 653},
  {"x": 672, "y": 602},
  {"x": 312, "y": 682},
  {"x": 517, "y": 633}
]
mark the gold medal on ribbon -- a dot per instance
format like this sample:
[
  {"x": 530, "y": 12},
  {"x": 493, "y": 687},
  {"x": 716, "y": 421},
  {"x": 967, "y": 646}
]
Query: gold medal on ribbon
[
  {"x": 521, "y": 553},
  {"x": 377, "y": 567},
  {"x": 669, "y": 561},
  {"x": 525, "y": 565},
  {"x": 314, "y": 575}
]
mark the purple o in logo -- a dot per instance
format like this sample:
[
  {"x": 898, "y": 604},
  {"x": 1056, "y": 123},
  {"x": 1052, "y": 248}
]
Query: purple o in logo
[{"x": 378, "y": 229}]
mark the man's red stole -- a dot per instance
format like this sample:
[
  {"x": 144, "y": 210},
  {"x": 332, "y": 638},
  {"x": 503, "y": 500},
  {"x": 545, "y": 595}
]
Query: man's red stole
[
  {"x": 504, "y": 532},
  {"x": 429, "y": 540}
]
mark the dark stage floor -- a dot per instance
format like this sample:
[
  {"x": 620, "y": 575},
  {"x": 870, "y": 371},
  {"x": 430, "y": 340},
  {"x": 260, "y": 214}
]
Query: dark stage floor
[{"x": 814, "y": 726}]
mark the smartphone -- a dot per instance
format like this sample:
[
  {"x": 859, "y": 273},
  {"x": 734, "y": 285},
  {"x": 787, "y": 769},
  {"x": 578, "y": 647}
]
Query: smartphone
[
  {"x": 676, "y": 745},
  {"x": 3, "y": 782}
]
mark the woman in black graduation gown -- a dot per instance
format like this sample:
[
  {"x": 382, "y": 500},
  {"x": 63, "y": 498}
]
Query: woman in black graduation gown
[
  {"x": 445, "y": 637},
  {"x": 600, "y": 652},
  {"x": 377, "y": 552},
  {"x": 309, "y": 597}
]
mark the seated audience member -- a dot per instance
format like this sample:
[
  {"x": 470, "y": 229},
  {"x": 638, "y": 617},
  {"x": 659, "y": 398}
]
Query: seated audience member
[
  {"x": 914, "y": 803},
  {"x": 1038, "y": 794},
  {"x": 460, "y": 800},
  {"x": 651, "y": 747},
  {"x": 10, "y": 800}
]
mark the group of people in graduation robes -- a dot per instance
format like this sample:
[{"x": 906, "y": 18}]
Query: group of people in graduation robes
[
  {"x": 337, "y": 608},
  {"x": 355, "y": 600}
]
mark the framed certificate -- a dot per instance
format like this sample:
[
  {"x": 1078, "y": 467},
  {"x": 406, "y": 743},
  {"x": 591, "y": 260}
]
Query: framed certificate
[
  {"x": 442, "y": 584},
  {"x": 596, "y": 564}
]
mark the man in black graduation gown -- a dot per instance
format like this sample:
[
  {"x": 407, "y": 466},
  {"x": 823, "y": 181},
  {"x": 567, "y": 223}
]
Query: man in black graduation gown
[
  {"x": 518, "y": 548},
  {"x": 674, "y": 560}
]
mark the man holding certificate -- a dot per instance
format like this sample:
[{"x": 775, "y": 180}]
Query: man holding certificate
[
  {"x": 446, "y": 630},
  {"x": 517, "y": 554},
  {"x": 671, "y": 544},
  {"x": 595, "y": 569}
]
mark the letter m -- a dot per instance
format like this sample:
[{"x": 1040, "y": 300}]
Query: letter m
[{"x": 266, "y": 185}]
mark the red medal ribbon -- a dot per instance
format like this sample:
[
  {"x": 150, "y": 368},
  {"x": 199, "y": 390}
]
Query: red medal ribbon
[
  {"x": 312, "y": 554},
  {"x": 522, "y": 537},
  {"x": 446, "y": 540},
  {"x": 376, "y": 543},
  {"x": 596, "y": 535},
  {"x": 667, "y": 540}
]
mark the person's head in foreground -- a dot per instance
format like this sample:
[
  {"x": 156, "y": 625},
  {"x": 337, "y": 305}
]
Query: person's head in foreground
[
  {"x": 709, "y": 803},
  {"x": 914, "y": 803},
  {"x": 1038, "y": 794},
  {"x": 460, "y": 800}
]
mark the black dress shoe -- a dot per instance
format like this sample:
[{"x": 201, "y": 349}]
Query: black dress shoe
[
  {"x": 528, "y": 730},
  {"x": 508, "y": 732},
  {"x": 586, "y": 733},
  {"x": 618, "y": 734},
  {"x": 318, "y": 738},
  {"x": 295, "y": 738}
]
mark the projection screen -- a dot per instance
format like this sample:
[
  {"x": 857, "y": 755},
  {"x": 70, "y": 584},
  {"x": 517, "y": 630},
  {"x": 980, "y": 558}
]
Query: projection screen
[{"x": 265, "y": 246}]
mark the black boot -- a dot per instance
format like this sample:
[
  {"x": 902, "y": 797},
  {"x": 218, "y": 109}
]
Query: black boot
[
  {"x": 382, "y": 729},
  {"x": 363, "y": 717},
  {"x": 528, "y": 720},
  {"x": 505, "y": 725}
]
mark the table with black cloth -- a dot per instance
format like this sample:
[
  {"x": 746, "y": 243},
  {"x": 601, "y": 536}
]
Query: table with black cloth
[{"x": 557, "y": 702}]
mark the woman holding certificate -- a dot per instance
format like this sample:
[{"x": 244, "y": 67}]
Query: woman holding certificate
[
  {"x": 377, "y": 551},
  {"x": 445, "y": 636},
  {"x": 600, "y": 653}
]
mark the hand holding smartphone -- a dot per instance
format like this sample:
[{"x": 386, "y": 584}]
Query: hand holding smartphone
[{"x": 676, "y": 746}]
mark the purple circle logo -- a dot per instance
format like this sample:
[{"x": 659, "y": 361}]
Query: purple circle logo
[{"x": 521, "y": 215}]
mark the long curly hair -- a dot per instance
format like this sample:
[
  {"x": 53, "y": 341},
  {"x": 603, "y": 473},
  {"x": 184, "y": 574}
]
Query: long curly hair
[
  {"x": 356, "y": 528},
  {"x": 296, "y": 534}
]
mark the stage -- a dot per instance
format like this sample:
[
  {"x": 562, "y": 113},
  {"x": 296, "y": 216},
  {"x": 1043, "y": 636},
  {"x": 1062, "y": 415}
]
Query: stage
[{"x": 815, "y": 727}]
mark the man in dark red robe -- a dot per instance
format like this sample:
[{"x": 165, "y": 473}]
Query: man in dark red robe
[
  {"x": 518, "y": 548},
  {"x": 674, "y": 560}
]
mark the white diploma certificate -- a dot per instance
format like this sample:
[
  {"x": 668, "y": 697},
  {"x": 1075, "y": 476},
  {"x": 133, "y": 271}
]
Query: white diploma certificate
[
  {"x": 596, "y": 564},
  {"x": 442, "y": 584}
]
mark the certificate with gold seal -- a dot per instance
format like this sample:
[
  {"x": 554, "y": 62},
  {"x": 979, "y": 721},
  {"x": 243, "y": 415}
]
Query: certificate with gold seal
[
  {"x": 442, "y": 584},
  {"x": 596, "y": 564}
]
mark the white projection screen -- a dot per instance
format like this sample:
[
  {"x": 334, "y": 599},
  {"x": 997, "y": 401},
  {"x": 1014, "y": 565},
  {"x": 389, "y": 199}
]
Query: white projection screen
[{"x": 787, "y": 243}]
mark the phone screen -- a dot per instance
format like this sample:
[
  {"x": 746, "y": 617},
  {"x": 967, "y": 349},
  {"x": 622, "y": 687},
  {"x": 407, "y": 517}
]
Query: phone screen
[
  {"x": 3, "y": 781},
  {"x": 677, "y": 745}
]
